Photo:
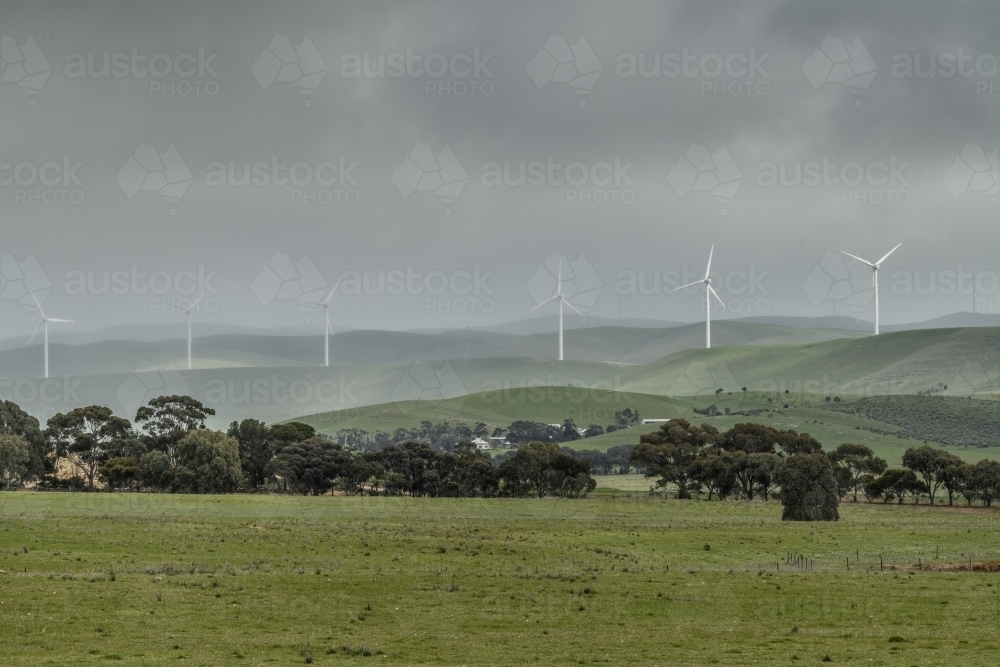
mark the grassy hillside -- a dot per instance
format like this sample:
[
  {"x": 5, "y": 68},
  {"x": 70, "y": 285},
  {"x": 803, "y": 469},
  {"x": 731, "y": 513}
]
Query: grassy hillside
[
  {"x": 948, "y": 419},
  {"x": 548, "y": 405},
  {"x": 906, "y": 362},
  {"x": 551, "y": 405}
]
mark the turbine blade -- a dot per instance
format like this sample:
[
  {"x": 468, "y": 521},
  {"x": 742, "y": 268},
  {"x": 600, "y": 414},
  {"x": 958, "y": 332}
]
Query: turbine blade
[
  {"x": 191, "y": 307},
  {"x": 52, "y": 319},
  {"x": 34, "y": 332},
  {"x": 332, "y": 292},
  {"x": 887, "y": 254},
  {"x": 697, "y": 282},
  {"x": 572, "y": 307},
  {"x": 865, "y": 261},
  {"x": 709, "y": 267},
  {"x": 716, "y": 296},
  {"x": 40, "y": 311},
  {"x": 545, "y": 302}
]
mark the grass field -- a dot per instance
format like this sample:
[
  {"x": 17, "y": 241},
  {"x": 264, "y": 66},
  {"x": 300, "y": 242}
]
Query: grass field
[{"x": 142, "y": 579}]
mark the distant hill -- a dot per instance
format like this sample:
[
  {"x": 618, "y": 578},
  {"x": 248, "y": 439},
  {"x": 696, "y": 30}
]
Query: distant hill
[
  {"x": 967, "y": 360},
  {"x": 348, "y": 348}
]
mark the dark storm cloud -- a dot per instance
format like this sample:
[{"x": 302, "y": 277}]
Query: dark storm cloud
[{"x": 637, "y": 232}]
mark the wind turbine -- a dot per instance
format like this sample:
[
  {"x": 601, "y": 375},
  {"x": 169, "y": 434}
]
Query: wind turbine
[
  {"x": 325, "y": 303},
  {"x": 45, "y": 325},
  {"x": 874, "y": 276},
  {"x": 709, "y": 293},
  {"x": 188, "y": 312},
  {"x": 562, "y": 299}
]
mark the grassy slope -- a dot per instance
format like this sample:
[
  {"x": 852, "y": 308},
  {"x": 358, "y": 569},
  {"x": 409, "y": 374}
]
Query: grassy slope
[
  {"x": 549, "y": 405},
  {"x": 805, "y": 367},
  {"x": 248, "y": 580}
]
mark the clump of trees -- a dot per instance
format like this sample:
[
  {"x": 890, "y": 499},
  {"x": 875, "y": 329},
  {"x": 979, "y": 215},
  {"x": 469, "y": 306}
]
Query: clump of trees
[
  {"x": 747, "y": 461},
  {"x": 928, "y": 470}
]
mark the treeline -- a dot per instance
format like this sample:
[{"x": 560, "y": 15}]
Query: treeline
[
  {"x": 447, "y": 434},
  {"x": 927, "y": 471},
  {"x": 754, "y": 460},
  {"x": 168, "y": 448}
]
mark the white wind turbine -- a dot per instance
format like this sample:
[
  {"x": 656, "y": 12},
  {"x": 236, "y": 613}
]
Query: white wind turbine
[
  {"x": 709, "y": 293},
  {"x": 874, "y": 276},
  {"x": 44, "y": 324},
  {"x": 562, "y": 299},
  {"x": 187, "y": 311},
  {"x": 325, "y": 303}
]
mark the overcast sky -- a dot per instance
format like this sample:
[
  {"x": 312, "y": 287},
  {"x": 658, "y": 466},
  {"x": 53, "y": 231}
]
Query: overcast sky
[{"x": 659, "y": 129}]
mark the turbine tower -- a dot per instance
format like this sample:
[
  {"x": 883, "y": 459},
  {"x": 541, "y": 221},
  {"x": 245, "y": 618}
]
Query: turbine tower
[
  {"x": 874, "y": 276},
  {"x": 709, "y": 293},
  {"x": 45, "y": 326},
  {"x": 188, "y": 312},
  {"x": 562, "y": 300},
  {"x": 325, "y": 303}
]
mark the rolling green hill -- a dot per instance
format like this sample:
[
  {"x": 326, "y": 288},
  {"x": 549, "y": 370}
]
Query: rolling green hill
[
  {"x": 896, "y": 363},
  {"x": 551, "y": 405}
]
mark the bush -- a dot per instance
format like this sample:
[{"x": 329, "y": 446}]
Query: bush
[
  {"x": 209, "y": 462},
  {"x": 808, "y": 488}
]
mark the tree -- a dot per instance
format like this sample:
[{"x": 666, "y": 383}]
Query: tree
[
  {"x": 889, "y": 484},
  {"x": 798, "y": 443},
  {"x": 750, "y": 438},
  {"x": 209, "y": 462},
  {"x": 930, "y": 464},
  {"x": 155, "y": 470},
  {"x": 15, "y": 421},
  {"x": 954, "y": 478},
  {"x": 539, "y": 468},
  {"x": 763, "y": 466},
  {"x": 669, "y": 452},
  {"x": 120, "y": 472},
  {"x": 312, "y": 466},
  {"x": 984, "y": 479},
  {"x": 521, "y": 432},
  {"x": 88, "y": 436},
  {"x": 472, "y": 473},
  {"x": 256, "y": 448},
  {"x": 714, "y": 470},
  {"x": 15, "y": 456},
  {"x": 569, "y": 431},
  {"x": 856, "y": 465},
  {"x": 808, "y": 489},
  {"x": 168, "y": 419}
]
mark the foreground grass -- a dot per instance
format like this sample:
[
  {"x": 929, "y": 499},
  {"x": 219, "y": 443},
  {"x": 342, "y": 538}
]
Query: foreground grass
[{"x": 154, "y": 579}]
